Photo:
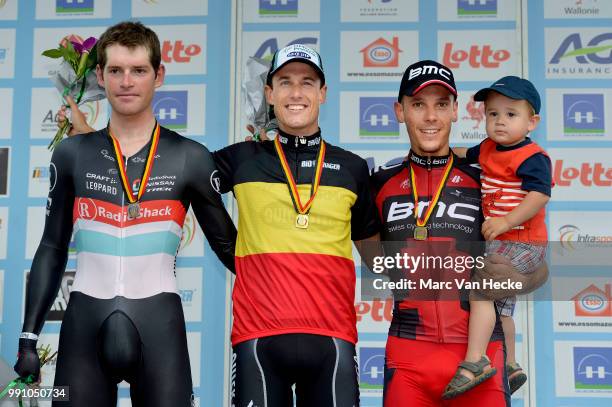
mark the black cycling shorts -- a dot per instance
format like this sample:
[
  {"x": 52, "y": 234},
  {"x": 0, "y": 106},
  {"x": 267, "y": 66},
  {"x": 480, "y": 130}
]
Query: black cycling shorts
[{"x": 322, "y": 368}]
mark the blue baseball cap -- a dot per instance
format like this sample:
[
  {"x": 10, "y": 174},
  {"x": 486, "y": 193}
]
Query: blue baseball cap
[{"x": 514, "y": 88}]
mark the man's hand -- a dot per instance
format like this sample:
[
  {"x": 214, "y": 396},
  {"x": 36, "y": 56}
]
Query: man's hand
[
  {"x": 499, "y": 269},
  {"x": 78, "y": 118},
  {"x": 263, "y": 135},
  {"x": 493, "y": 227},
  {"x": 28, "y": 362}
]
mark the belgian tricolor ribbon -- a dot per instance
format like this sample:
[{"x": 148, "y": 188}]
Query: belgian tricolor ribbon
[
  {"x": 420, "y": 231},
  {"x": 133, "y": 198},
  {"x": 302, "y": 210}
]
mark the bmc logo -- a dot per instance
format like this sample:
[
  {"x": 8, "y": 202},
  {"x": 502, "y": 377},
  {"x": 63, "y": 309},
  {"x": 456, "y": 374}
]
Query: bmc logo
[
  {"x": 476, "y": 56},
  {"x": 177, "y": 52},
  {"x": 403, "y": 210},
  {"x": 598, "y": 50},
  {"x": 588, "y": 174}
]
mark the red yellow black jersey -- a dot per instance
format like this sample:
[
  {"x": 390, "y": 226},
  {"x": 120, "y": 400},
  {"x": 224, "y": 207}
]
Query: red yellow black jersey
[{"x": 288, "y": 279}]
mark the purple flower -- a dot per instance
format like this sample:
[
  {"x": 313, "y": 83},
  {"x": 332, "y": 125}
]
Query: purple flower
[{"x": 86, "y": 46}]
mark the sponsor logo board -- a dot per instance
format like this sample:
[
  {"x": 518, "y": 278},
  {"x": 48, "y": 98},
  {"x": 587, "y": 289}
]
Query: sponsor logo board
[
  {"x": 578, "y": 114},
  {"x": 578, "y": 53},
  {"x": 6, "y": 113},
  {"x": 379, "y": 10},
  {"x": 189, "y": 284},
  {"x": 168, "y": 8},
  {"x": 180, "y": 107},
  {"x": 581, "y": 174},
  {"x": 7, "y": 53},
  {"x": 579, "y": 9},
  {"x": 371, "y": 360}
]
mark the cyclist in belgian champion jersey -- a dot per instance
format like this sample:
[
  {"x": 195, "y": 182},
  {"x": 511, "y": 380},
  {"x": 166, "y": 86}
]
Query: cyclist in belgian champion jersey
[{"x": 124, "y": 192}]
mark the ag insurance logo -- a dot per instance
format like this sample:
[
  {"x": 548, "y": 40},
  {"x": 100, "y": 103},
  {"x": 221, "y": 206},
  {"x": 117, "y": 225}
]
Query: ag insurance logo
[
  {"x": 377, "y": 117},
  {"x": 578, "y": 53},
  {"x": 583, "y": 114}
]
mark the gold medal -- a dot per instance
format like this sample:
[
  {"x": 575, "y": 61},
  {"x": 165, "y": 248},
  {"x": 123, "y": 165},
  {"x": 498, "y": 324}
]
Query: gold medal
[
  {"x": 133, "y": 210},
  {"x": 301, "y": 221},
  {"x": 420, "y": 233}
]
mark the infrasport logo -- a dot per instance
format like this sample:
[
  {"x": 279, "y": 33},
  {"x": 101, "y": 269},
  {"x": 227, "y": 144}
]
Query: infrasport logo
[
  {"x": 170, "y": 108},
  {"x": 583, "y": 114},
  {"x": 74, "y": 6},
  {"x": 570, "y": 234},
  {"x": 278, "y": 8},
  {"x": 476, "y": 8},
  {"x": 372, "y": 367},
  {"x": 592, "y": 369},
  {"x": 381, "y": 53},
  {"x": 377, "y": 117}
]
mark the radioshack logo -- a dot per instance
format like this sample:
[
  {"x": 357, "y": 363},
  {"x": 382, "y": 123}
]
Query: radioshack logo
[
  {"x": 278, "y": 8},
  {"x": 74, "y": 6},
  {"x": 594, "y": 302},
  {"x": 372, "y": 367},
  {"x": 583, "y": 114},
  {"x": 377, "y": 117},
  {"x": 584, "y": 53},
  {"x": 170, "y": 108},
  {"x": 267, "y": 49},
  {"x": 177, "y": 51},
  {"x": 476, "y": 8},
  {"x": 477, "y": 56},
  {"x": 381, "y": 53},
  {"x": 593, "y": 369},
  {"x": 588, "y": 174}
]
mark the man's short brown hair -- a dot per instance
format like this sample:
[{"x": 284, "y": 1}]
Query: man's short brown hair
[{"x": 130, "y": 34}]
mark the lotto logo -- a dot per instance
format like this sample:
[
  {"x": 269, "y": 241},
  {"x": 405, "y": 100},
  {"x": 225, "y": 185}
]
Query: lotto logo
[
  {"x": 177, "y": 52},
  {"x": 476, "y": 56},
  {"x": 588, "y": 174}
]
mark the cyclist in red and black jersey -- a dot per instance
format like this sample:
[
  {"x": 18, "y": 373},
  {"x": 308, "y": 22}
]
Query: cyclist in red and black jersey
[{"x": 428, "y": 338}]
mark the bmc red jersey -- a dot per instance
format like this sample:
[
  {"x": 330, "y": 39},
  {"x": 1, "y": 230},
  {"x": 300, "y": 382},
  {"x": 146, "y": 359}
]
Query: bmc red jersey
[{"x": 441, "y": 315}]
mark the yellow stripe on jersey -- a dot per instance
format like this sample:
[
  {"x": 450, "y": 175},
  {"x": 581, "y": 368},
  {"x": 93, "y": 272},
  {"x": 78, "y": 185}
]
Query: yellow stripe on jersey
[{"x": 266, "y": 222}]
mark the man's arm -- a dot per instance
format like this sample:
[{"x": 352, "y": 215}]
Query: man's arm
[
  {"x": 368, "y": 249},
  {"x": 50, "y": 259},
  {"x": 498, "y": 268},
  {"x": 204, "y": 189}
]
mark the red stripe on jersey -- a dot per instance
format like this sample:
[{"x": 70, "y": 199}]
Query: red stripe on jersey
[
  {"x": 283, "y": 293},
  {"x": 116, "y": 215}
]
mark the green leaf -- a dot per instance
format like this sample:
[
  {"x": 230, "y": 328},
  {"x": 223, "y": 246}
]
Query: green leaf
[{"x": 53, "y": 53}]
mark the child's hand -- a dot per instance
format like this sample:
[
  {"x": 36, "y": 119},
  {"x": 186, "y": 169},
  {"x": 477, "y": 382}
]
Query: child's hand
[{"x": 493, "y": 227}]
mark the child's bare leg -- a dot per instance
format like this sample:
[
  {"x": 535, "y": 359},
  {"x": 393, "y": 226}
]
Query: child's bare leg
[
  {"x": 510, "y": 334},
  {"x": 482, "y": 322}
]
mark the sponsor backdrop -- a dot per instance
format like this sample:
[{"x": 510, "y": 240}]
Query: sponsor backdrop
[{"x": 563, "y": 46}]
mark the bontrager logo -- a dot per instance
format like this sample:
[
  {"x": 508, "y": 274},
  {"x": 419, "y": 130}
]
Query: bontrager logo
[{"x": 404, "y": 210}]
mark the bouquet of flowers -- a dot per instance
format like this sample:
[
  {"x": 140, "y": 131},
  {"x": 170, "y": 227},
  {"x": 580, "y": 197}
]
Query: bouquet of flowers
[
  {"x": 258, "y": 113},
  {"x": 76, "y": 75}
]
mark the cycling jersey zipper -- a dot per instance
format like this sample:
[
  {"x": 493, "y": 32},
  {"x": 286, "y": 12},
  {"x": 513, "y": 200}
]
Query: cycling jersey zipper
[
  {"x": 429, "y": 194},
  {"x": 122, "y": 240}
]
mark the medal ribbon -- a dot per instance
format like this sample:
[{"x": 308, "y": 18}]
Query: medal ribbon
[
  {"x": 435, "y": 198},
  {"x": 148, "y": 166},
  {"x": 293, "y": 190}
]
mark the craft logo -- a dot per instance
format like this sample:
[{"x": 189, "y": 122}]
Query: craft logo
[
  {"x": 477, "y": 56},
  {"x": 583, "y": 114},
  {"x": 267, "y": 49},
  {"x": 593, "y": 369},
  {"x": 177, "y": 51},
  {"x": 4, "y": 162},
  {"x": 74, "y": 6},
  {"x": 476, "y": 8},
  {"x": 377, "y": 117},
  {"x": 593, "y": 301},
  {"x": 572, "y": 57},
  {"x": 56, "y": 314},
  {"x": 278, "y": 8},
  {"x": 170, "y": 108},
  {"x": 371, "y": 367},
  {"x": 381, "y": 54}
]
